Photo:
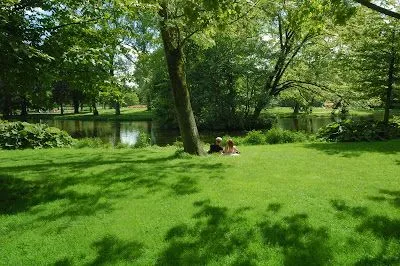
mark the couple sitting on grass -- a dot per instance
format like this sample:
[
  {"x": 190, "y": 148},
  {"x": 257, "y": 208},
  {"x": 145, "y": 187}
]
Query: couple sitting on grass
[{"x": 229, "y": 149}]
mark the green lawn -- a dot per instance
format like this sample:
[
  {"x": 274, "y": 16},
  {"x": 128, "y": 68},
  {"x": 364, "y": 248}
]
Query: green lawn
[{"x": 292, "y": 204}]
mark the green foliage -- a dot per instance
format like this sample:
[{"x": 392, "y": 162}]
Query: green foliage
[
  {"x": 181, "y": 154},
  {"x": 396, "y": 120},
  {"x": 367, "y": 130},
  {"x": 91, "y": 143},
  {"x": 254, "y": 137},
  {"x": 278, "y": 136},
  {"x": 273, "y": 136},
  {"x": 130, "y": 98},
  {"x": 22, "y": 135},
  {"x": 143, "y": 140}
]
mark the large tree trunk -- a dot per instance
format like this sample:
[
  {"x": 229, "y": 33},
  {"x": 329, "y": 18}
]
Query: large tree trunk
[
  {"x": 261, "y": 104},
  {"x": 176, "y": 68}
]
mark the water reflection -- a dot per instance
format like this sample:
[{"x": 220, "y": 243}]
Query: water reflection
[
  {"x": 306, "y": 124},
  {"x": 114, "y": 132},
  {"x": 117, "y": 132}
]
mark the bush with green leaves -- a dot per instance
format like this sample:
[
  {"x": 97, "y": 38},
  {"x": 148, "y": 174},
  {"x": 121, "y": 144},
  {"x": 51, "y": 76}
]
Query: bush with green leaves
[
  {"x": 364, "y": 130},
  {"x": 91, "y": 143},
  {"x": 278, "y": 136},
  {"x": 22, "y": 135},
  {"x": 143, "y": 140},
  {"x": 254, "y": 137},
  {"x": 272, "y": 136},
  {"x": 396, "y": 120}
]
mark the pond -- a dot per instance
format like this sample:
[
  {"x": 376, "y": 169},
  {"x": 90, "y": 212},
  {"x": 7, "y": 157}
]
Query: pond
[{"x": 124, "y": 132}]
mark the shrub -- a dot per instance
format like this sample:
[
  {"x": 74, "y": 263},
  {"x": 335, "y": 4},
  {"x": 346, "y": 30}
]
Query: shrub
[
  {"x": 122, "y": 146},
  {"x": 143, "y": 140},
  {"x": 22, "y": 135},
  {"x": 91, "y": 143},
  {"x": 254, "y": 137},
  {"x": 396, "y": 120},
  {"x": 278, "y": 135},
  {"x": 272, "y": 136},
  {"x": 178, "y": 144},
  {"x": 351, "y": 131}
]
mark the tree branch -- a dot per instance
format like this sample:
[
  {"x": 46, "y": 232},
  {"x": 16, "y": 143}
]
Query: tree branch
[{"x": 378, "y": 8}]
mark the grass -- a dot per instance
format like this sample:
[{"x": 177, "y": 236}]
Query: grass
[
  {"x": 322, "y": 112},
  {"x": 127, "y": 114},
  {"x": 291, "y": 204}
]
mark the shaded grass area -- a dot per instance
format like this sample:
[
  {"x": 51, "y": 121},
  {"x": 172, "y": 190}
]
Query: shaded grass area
[
  {"x": 127, "y": 114},
  {"x": 292, "y": 204}
]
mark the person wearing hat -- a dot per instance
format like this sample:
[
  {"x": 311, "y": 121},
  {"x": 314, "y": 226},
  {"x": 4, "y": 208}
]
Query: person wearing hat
[{"x": 216, "y": 148}]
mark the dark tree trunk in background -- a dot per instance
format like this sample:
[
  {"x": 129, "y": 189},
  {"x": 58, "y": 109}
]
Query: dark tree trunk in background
[
  {"x": 76, "y": 105},
  {"x": 148, "y": 101},
  {"x": 176, "y": 69},
  {"x": 296, "y": 109},
  {"x": 261, "y": 104},
  {"x": 389, "y": 89},
  {"x": 24, "y": 107},
  {"x": 62, "y": 109},
  {"x": 95, "y": 111},
  {"x": 117, "y": 107}
]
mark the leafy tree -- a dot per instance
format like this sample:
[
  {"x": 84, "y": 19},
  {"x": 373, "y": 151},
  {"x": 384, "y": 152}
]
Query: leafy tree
[
  {"x": 21, "y": 56},
  {"x": 180, "y": 21},
  {"x": 293, "y": 25},
  {"x": 373, "y": 52}
]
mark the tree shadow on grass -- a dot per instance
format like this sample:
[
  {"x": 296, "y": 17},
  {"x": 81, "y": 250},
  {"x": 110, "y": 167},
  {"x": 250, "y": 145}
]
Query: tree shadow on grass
[
  {"x": 390, "y": 196},
  {"x": 216, "y": 236},
  {"x": 185, "y": 185},
  {"x": 274, "y": 207},
  {"x": 385, "y": 230},
  {"x": 225, "y": 237},
  {"x": 351, "y": 149},
  {"x": 64, "y": 262},
  {"x": 111, "y": 250},
  {"x": 342, "y": 207},
  {"x": 78, "y": 192},
  {"x": 301, "y": 243}
]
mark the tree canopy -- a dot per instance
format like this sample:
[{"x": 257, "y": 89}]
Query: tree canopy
[{"x": 209, "y": 64}]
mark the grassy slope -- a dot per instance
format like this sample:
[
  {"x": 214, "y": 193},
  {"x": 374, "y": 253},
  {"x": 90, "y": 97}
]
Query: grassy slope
[{"x": 302, "y": 204}]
